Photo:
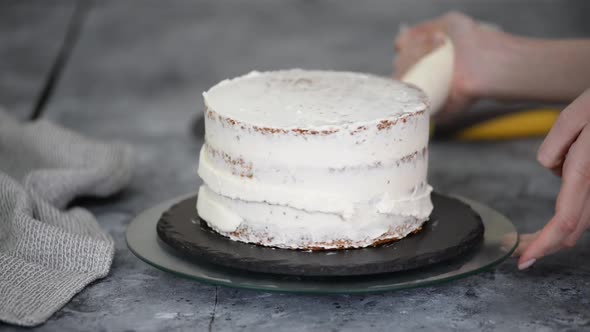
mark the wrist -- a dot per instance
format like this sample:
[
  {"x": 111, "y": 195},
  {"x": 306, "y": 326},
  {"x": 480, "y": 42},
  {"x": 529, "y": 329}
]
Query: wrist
[
  {"x": 528, "y": 69},
  {"x": 499, "y": 57}
]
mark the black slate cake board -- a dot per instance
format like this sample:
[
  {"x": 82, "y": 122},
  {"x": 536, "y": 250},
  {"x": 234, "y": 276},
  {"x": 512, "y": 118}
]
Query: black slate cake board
[{"x": 453, "y": 229}]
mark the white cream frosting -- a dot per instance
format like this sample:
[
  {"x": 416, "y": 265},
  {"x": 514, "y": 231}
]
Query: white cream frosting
[
  {"x": 211, "y": 207},
  {"x": 290, "y": 226},
  {"x": 322, "y": 190},
  {"x": 312, "y": 99},
  {"x": 310, "y": 157}
]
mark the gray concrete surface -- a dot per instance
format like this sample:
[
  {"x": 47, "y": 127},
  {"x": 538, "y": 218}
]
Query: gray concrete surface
[
  {"x": 31, "y": 34},
  {"x": 137, "y": 74}
]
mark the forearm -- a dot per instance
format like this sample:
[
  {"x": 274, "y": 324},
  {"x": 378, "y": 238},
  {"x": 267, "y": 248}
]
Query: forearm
[{"x": 529, "y": 69}]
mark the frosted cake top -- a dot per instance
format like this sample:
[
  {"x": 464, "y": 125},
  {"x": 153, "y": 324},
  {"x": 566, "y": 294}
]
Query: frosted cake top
[{"x": 309, "y": 99}]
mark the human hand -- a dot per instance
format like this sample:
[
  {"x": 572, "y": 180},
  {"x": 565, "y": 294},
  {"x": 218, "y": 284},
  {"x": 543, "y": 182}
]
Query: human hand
[
  {"x": 565, "y": 152},
  {"x": 471, "y": 44}
]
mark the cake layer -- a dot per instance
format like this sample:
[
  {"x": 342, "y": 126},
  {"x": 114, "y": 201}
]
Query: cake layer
[
  {"x": 400, "y": 184},
  {"x": 286, "y": 227},
  {"x": 336, "y": 147}
]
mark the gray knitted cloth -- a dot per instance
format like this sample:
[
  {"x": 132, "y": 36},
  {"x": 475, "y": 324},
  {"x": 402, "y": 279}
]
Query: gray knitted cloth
[{"x": 48, "y": 253}]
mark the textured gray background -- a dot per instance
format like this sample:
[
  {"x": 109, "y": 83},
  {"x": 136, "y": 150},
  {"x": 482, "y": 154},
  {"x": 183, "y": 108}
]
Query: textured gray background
[{"x": 136, "y": 75}]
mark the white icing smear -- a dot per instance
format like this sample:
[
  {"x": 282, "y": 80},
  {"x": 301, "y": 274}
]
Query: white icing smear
[
  {"x": 209, "y": 209},
  {"x": 398, "y": 187},
  {"x": 310, "y": 99},
  {"x": 418, "y": 206},
  {"x": 287, "y": 227}
]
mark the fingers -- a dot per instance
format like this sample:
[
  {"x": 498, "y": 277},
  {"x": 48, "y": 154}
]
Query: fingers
[
  {"x": 508, "y": 241},
  {"x": 413, "y": 43},
  {"x": 547, "y": 242},
  {"x": 445, "y": 25},
  {"x": 407, "y": 36},
  {"x": 523, "y": 243},
  {"x": 566, "y": 129},
  {"x": 439, "y": 24},
  {"x": 575, "y": 185},
  {"x": 558, "y": 170},
  {"x": 573, "y": 238},
  {"x": 411, "y": 52},
  {"x": 526, "y": 240},
  {"x": 567, "y": 224}
]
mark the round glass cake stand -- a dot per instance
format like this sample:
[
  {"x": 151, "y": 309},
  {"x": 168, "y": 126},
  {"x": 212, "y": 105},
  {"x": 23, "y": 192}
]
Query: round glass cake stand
[{"x": 500, "y": 240}]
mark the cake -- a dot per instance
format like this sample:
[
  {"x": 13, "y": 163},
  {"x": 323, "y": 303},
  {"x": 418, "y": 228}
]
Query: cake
[{"x": 304, "y": 159}]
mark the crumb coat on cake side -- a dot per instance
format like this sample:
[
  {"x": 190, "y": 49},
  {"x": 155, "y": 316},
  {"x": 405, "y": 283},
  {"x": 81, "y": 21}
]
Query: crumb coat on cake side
[{"x": 301, "y": 159}]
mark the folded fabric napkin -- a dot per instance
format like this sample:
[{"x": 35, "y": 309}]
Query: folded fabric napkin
[{"x": 48, "y": 253}]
